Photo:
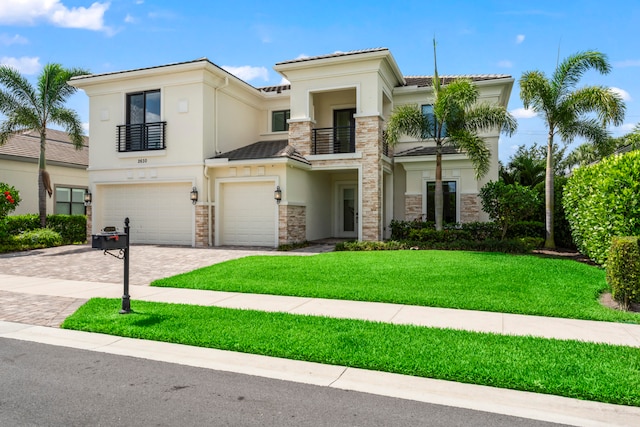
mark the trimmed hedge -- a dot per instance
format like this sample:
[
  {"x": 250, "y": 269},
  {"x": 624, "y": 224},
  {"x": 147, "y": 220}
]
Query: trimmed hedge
[
  {"x": 37, "y": 239},
  {"x": 602, "y": 201},
  {"x": 623, "y": 270},
  {"x": 476, "y": 231},
  {"x": 513, "y": 246},
  {"x": 71, "y": 228}
]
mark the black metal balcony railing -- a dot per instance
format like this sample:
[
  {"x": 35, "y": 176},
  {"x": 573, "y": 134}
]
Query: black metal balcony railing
[
  {"x": 341, "y": 139},
  {"x": 142, "y": 137}
]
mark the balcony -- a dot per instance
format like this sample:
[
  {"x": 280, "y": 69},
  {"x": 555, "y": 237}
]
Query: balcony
[
  {"x": 335, "y": 140},
  {"x": 141, "y": 137}
]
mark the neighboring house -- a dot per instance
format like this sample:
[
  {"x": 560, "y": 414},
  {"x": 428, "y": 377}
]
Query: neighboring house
[
  {"x": 67, "y": 169},
  {"x": 316, "y": 145}
]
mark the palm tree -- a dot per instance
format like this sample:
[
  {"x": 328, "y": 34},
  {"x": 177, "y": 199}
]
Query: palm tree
[
  {"x": 26, "y": 107},
  {"x": 567, "y": 110},
  {"x": 457, "y": 120}
]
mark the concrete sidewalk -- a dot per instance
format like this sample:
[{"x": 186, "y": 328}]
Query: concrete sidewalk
[{"x": 22, "y": 296}]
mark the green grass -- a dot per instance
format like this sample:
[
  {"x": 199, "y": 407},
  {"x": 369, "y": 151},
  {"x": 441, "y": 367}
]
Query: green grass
[
  {"x": 522, "y": 284},
  {"x": 567, "y": 368}
]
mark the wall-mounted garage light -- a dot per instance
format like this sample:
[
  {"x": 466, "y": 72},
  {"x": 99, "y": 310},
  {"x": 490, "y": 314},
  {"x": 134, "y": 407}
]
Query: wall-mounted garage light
[
  {"x": 277, "y": 195},
  {"x": 87, "y": 198},
  {"x": 194, "y": 195}
]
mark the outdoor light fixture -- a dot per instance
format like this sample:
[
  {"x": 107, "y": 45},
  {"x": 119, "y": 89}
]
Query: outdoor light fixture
[
  {"x": 194, "y": 195},
  {"x": 277, "y": 194},
  {"x": 87, "y": 198}
]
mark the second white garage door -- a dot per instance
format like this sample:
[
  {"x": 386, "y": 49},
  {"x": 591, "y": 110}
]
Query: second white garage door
[
  {"x": 247, "y": 214},
  {"x": 159, "y": 213}
]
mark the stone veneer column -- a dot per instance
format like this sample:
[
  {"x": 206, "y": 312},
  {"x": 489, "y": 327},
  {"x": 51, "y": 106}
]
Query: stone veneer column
[
  {"x": 413, "y": 207},
  {"x": 292, "y": 224},
  {"x": 202, "y": 226},
  {"x": 300, "y": 136},
  {"x": 369, "y": 143},
  {"x": 89, "y": 222},
  {"x": 470, "y": 208}
]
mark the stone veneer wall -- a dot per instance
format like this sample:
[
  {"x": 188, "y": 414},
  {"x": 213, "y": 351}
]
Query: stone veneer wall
[
  {"x": 89, "y": 222},
  {"x": 413, "y": 207},
  {"x": 292, "y": 224},
  {"x": 470, "y": 208},
  {"x": 202, "y": 226},
  {"x": 369, "y": 143},
  {"x": 300, "y": 137}
]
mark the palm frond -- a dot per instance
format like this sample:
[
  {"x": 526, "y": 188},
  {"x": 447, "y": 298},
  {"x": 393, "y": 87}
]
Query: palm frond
[
  {"x": 571, "y": 69},
  {"x": 536, "y": 92},
  {"x": 475, "y": 148},
  {"x": 408, "y": 120},
  {"x": 484, "y": 117},
  {"x": 608, "y": 105}
]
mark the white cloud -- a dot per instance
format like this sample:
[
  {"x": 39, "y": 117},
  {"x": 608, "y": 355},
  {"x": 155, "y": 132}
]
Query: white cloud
[
  {"x": 130, "y": 19},
  {"x": 303, "y": 56},
  {"x": 248, "y": 73},
  {"x": 24, "y": 64},
  {"x": 519, "y": 38},
  {"x": 505, "y": 63},
  {"x": 284, "y": 81},
  {"x": 627, "y": 127},
  {"x": 623, "y": 93},
  {"x": 8, "y": 40},
  {"x": 627, "y": 63},
  {"x": 523, "y": 113},
  {"x": 30, "y": 12}
]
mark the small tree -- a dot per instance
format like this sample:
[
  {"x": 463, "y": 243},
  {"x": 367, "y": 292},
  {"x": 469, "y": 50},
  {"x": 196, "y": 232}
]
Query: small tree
[{"x": 507, "y": 204}]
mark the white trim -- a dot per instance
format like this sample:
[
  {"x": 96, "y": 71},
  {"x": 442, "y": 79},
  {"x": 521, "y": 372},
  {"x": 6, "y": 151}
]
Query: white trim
[
  {"x": 218, "y": 181},
  {"x": 145, "y": 153},
  {"x": 340, "y": 156}
]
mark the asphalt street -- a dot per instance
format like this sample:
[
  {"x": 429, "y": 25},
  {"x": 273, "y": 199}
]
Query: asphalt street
[{"x": 44, "y": 385}]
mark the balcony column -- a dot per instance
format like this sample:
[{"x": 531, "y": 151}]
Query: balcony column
[
  {"x": 300, "y": 136},
  {"x": 369, "y": 143}
]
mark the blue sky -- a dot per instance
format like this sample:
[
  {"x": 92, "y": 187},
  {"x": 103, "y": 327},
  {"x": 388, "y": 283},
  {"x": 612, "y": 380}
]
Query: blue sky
[{"x": 248, "y": 37}]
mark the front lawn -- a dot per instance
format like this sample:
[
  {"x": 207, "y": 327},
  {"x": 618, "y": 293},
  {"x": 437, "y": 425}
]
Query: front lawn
[
  {"x": 523, "y": 284},
  {"x": 588, "y": 371}
]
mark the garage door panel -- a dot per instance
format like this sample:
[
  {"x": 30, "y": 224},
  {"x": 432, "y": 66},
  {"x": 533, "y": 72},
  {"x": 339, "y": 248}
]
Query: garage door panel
[
  {"x": 248, "y": 214},
  {"x": 158, "y": 213}
]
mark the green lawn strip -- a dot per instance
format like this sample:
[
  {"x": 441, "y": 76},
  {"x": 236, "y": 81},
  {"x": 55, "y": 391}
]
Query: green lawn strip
[
  {"x": 567, "y": 368},
  {"x": 522, "y": 284}
]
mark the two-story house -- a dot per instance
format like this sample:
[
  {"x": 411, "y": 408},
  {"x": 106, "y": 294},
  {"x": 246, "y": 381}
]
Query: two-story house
[{"x": 195, "y": 156}]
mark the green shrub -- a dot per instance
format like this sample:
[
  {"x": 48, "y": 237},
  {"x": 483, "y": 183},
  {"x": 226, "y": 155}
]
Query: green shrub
[
  {"x": 72, "y": 228},
  {"x": 514, "y": 246},
  {"x": 526, "y": 229},
  {"x": 17, "y": 224},
  {"x": 35, "y": 239},
  {"x": 507, "y": 204},
  {"x": 602, "y": 201},
  {"x": 623, "y": 270},
  {"x": 481, "y": 230},
  {"x": 448, "y": 235},
  {"x": 400, "y": 229},
  {"x": 9, "y": 199},
  {"x": 390, "y": 245}
]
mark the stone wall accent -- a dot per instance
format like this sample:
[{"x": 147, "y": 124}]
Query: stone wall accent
[
  {"x": 470, "y": 207},
  {"x": 292, "y": 224},
  {"x": 202, "y": 226},
  {"x": 89, "y": 222},
  {"x": 412, "y": 207},
  {"x": 300, "y": 136},
  {"x": 369, "y": 143}
]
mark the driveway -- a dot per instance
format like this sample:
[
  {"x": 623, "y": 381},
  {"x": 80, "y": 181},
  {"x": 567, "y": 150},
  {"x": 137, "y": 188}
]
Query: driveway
[{"x": 146, "y": 262}]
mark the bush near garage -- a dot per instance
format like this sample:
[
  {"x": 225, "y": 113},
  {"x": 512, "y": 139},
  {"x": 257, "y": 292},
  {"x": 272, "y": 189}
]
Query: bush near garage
[{"x": 602, "y": 201}]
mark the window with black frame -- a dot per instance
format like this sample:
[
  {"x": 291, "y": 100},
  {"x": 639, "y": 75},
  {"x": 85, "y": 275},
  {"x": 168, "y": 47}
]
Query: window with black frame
[
  {"x": 449, "y": 200},
  {"x": 427, "y": 111},
  {"x": 144, "y": 129},
  {"x": 70, "y": 201},
  {"x": 279, "y": 120}
]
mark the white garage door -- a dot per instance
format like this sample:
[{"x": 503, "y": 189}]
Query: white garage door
[
  {"x": 248, "y": 214},
  {"x": 158, "y": 213}
]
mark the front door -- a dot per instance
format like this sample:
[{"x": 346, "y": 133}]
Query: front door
[
  {"x": 344, "y": 131},
  {"x": 347, "y": 218}
]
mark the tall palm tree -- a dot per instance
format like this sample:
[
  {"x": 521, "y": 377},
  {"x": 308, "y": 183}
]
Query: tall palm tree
[
  {"x": 457, "y": 120},
  {"x": 26, "y": 107},
  {"x": 570, "y": 112}
]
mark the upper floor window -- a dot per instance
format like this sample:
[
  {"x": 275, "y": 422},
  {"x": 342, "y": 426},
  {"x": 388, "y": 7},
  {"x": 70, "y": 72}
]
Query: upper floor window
[
  {"x": 427, "y": 111},
  {"x": 144, "y": 130},
  {"x": 279, "y": 120},
  {"x": 70, "y": 201},
  {"x": 143, "y": 107}
]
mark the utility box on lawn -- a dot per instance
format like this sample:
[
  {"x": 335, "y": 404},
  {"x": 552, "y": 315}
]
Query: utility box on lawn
[{"x": 110, "y": 238}]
